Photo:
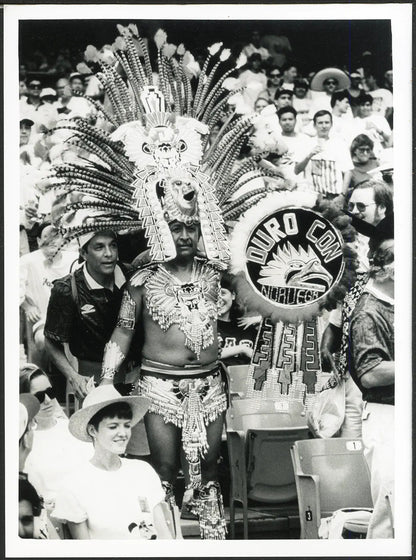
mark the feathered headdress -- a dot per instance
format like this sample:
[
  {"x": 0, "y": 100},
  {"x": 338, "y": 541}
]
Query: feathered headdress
[{"x": 153, "y": 162}]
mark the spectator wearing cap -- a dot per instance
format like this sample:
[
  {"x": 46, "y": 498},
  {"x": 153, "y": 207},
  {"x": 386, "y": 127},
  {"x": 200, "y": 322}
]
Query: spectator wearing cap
[
  {"x": 323, "y": 85},
  {"x": 76, "y": 82},
  {"x": 290, "y": 73},
  {"x": 327, "y": 163},
  {"x": 83, "y": 308},
  {"x": 25, "y": 131},
  {"x": 283, "y": 98},
  {"x": 47, "y": 114},
  {"x": 355, "y": 90},
  {"x": 38, "y": 270},
  {"x": 255, "y": 47},
  {"x": 69, "y": 106},
  {"x": 375, "y": 126}
]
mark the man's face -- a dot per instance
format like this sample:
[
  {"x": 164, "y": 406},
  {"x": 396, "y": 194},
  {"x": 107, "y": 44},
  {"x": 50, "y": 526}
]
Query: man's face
[
  {"x": 389, "y": 77},
  {"x": 323, "y": 126},
  {"x": 300, "y": 92},
  {"x": 287, "y": 122},
  {"x": 275, "y": 77},
  {"x": 256, "y": 64},
  {"x": 101, "y": 255},
  {"x": 366, "y": 109},
  {"x": 34, "y": 89},
  {"x": 26, "y": 524},
  {"x": 77, "y": 85},
  {"x": 330, "y": 85},
  {"x": 362, "y": 206},
  {"x": 255, "y": 38},
  {"x": 60, "y": 86},
  {"x": 284, "y": 100},
  {"x": 291, "y": 74},
  {"x": 185, "y": 238},
  {"x": 25, "y": 129},
  {"x": 343, "y": 105}
]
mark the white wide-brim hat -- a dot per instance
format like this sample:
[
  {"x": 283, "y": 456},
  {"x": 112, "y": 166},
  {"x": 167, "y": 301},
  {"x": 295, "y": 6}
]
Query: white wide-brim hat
[
  {"x": 317, "y": 83},
  {"x": 99, "y": 398}
]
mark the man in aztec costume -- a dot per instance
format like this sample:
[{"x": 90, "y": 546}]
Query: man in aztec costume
[{"x": 151, "y": 168}]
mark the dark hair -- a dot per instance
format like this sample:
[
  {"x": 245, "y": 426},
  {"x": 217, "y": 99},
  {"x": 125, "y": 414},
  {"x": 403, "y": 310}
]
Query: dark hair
[
  {"x": 284, "y": 110},
  {"x": 280, "y": 92},
  {"x": 339, "y": 96},
  {"x": 105, "y": 232},
  {"x": 28, "y": 493},
  {"x": 365, "y": 98},
  {"x": 120, "y": 410},
  {"x": 321, "y": 113},
  {"x": 361, "y": 140},
  {"x": 286, "y": 67},
  {"x": 227, "y": 282},
  {"x": 383, "y": 193},
  {"x": 302, "y": 83},
  {"x": 26, "y": 378}
]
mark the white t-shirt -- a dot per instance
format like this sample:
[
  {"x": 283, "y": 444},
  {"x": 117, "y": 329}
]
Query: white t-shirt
[
  {"x": 55, "y": 455},
  {"x": 383, "y": 99},
  {"x": 37, "y": 275},
  {"x": 324, "y": 171},
  {"x": 115, "y": 504},
  {"x": 297, "y": 146}
]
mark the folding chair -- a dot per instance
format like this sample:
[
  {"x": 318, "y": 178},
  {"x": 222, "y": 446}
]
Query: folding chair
[
  {"x": 237, "y": 377},
  {"x": 259, "y": 453},
  {"x": 172, "y": 517},
  {"x": 330, "y": 474}
]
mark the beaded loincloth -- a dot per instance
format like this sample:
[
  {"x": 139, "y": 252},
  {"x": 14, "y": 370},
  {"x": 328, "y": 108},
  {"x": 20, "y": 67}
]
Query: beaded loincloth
[{"x": 191, "y": 404}]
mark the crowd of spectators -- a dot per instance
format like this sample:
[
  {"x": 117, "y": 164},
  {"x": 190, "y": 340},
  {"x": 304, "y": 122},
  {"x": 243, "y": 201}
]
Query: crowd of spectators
[{"x": 336, "y": 126}]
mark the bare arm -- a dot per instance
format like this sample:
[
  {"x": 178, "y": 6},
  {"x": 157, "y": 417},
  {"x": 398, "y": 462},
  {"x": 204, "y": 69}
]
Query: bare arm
[
  {"x": 381, "y": 375},
  {"x": 56, "y": 352},
  {"x": 79, "y": 531},
  {"x": 230, "y": 351},
  {"x": 301, "y": 165},
  {"x": 118, "y": 346},
  {"x": 331, "y": 342}
]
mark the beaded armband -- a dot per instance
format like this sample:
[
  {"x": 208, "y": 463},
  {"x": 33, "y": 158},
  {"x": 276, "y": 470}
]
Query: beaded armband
[
  {"x": 113, "y": 358},
  {"x": 127, "y": 314}
]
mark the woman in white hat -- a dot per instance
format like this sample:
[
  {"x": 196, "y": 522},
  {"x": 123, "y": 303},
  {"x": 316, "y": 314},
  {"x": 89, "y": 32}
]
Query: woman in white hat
[{"x": 110, "y": 497}]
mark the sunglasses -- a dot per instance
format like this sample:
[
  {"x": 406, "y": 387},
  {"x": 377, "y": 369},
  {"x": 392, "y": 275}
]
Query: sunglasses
[
  {"x": 275, "y": 75},
  {"x": 40, "y": 395},
  {"x": 331, "y": 82},
  {"x": 360, "y": 206},
  {"x": 364, "y": 150}
]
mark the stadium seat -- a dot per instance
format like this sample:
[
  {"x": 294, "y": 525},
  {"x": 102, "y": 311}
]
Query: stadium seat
[
  {"x": 259, "y": 444},
  {"x": 330, "y": 474}
]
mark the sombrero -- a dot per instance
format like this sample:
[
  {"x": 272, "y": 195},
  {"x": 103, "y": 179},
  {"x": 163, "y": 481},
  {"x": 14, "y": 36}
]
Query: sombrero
[
  {"x": 99, "y": 398},
  {"x": 317, "y": 83}
]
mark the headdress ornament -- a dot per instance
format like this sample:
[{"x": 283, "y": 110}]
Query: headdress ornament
[{"x": 150, "y": 161}]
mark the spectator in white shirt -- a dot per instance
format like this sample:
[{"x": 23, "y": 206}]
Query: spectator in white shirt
[
  {"x": 327, "y": 163},
  {"x": 290, "y": 73},
  {"x": 374, "y": 125}
]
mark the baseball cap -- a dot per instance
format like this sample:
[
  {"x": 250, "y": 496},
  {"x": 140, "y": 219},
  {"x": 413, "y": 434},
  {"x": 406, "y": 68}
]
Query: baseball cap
[
  {"x": 48, "y": 92},
  {"x": 27, "y": 121},
  {"x": 34, "y": 83},
  {"x": 28, "y": 408}
]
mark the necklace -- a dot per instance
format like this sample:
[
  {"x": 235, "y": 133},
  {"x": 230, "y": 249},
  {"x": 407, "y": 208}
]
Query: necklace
[{"x": 191, "y": 305}]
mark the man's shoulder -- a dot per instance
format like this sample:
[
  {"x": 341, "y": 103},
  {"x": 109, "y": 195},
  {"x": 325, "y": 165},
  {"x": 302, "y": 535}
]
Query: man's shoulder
[{"x": 63, "y": 286}]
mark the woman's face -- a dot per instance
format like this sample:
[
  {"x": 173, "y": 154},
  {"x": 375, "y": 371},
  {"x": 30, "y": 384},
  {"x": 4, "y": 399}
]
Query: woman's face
[
  {"x": 225, "y": 302},
  {"x": 362, "y": 154},
  {"x": 38, "y": 386},
  {"x": 260, "y": 105},
  {"x": 113, "y": 434}
]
